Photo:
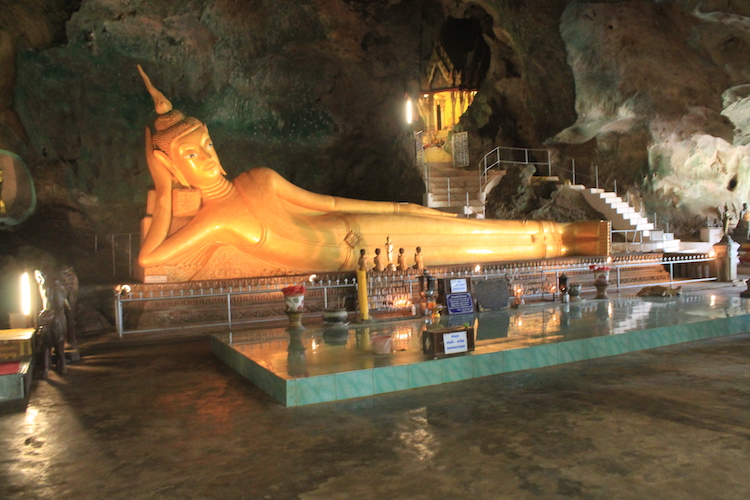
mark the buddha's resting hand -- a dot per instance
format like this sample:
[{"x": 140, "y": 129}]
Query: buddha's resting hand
[{"x": 159, "y": 173}]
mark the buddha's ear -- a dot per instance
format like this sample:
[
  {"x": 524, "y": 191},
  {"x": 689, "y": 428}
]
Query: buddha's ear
[{"x": 166, "y": 162}]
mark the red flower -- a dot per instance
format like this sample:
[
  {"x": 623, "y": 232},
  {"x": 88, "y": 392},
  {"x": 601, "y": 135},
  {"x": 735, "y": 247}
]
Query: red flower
[
  {"x": 596, "y": 268},
  {"x": 293, "y": 291}
]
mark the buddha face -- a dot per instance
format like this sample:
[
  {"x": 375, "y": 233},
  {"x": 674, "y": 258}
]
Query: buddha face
[{"x": 194, "y": 156}]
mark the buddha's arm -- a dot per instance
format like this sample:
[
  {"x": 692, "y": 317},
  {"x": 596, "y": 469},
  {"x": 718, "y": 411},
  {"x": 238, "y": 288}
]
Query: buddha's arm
[
  {"x": 312, "y": 202},
  {"x": 185, "y": 247},
  {"x": 162, "y": 216},
  {"x": 225, "y": 223}
]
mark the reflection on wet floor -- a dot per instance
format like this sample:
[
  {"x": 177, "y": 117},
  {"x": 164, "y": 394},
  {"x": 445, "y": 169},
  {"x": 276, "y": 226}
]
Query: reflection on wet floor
[{"x": 325, "y": 350}]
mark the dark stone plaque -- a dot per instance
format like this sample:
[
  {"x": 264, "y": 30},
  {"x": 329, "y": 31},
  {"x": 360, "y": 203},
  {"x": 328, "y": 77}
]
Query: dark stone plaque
[
  {"x": 492, "y": 294},
  {"x": 459, "y": 303}
]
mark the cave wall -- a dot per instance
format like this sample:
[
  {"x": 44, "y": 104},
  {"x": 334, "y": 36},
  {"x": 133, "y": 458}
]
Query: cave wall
[
  {"x": 654, "y": 93},
  {"x": 311, "y": 89},
  {"x": 654, "y": 83},
  {"x": 529, "y": 93}
]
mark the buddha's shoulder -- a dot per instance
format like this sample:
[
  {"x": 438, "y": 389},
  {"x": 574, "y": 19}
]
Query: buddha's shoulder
[{"x": 259, "y": 175}]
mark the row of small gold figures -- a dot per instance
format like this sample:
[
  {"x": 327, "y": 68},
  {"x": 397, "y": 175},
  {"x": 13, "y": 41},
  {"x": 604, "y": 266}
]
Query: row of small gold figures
[{"x": 388, "y": 264}]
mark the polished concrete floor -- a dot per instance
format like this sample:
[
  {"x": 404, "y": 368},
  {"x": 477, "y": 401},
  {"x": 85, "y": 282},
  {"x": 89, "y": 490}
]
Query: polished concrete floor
[{"x": 167, "y": 420}]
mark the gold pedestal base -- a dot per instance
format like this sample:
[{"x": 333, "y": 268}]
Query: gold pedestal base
[{"x": 295, "y": 318}]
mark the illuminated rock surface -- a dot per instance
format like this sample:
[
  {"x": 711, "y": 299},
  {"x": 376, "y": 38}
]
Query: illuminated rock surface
[{"x": 315, "y": 90}]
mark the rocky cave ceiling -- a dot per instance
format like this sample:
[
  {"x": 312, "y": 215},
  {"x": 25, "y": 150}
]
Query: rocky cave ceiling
[{"x": 654, "y": 93}]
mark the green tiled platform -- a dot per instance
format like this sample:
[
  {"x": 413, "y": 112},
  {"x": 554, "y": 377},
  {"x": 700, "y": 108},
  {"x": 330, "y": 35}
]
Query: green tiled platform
[{"x": 326, "y": 364}]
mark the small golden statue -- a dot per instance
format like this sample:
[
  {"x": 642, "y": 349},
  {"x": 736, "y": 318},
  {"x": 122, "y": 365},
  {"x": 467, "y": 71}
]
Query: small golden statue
[
  {"x": 402, "y": 265},
  {"x": 362, "y": 263},
  {"x": 379, "y": 264},
  {"x": 259, "y": 224},
  {"x": 418, "y": 260}
]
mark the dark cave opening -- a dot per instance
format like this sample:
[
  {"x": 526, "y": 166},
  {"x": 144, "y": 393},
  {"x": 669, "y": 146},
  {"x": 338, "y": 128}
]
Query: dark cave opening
[{"x": 463, "y": 41}]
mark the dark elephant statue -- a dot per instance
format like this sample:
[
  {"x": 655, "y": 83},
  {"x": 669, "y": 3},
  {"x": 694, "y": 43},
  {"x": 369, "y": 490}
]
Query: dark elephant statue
[
  {"x": 69, "y": 280},
  {"x": 53, "y": 325}
]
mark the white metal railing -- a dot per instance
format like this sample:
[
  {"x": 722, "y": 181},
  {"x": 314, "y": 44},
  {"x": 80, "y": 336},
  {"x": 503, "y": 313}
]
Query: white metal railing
[
  {"x": 507, "y": 155},
  {"x": 227, "y": 294},
  {"x": 636, "y": 238},
  {"x": 546, "y": 276}
]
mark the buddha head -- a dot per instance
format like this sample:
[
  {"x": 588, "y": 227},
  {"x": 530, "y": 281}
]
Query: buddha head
[{"x": 182, "y": 143}]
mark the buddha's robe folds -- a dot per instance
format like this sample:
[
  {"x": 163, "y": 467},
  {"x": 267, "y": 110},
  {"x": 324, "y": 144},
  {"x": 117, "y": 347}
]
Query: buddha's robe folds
[{"x": 304, "y": 232}]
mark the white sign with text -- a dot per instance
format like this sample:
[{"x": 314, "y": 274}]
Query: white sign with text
[
  {"x": 455, "y": 342},
  {"x": 459, "y": 285}
]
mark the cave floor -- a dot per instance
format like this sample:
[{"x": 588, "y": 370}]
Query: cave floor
[{"x": 143, "y": 419}]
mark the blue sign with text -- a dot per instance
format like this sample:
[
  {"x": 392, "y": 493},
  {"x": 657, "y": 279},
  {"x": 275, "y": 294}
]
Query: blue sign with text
[{"x": 459, "y": 303}]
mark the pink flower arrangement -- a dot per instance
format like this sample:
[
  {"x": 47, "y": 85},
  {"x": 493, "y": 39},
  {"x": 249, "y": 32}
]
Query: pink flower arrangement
[{"x": 293, "y": 290}]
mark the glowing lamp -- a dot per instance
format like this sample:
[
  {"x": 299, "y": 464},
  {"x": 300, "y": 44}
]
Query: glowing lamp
[
  {"x": 563, "y": 283},
  {"x": 25, "y": 295},
  {"x": 22, "y": 319},
  {"x": 408, "y": 111}
]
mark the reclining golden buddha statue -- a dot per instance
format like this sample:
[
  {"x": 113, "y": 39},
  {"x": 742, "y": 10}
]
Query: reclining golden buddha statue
[{"x": 262, "y": 225}]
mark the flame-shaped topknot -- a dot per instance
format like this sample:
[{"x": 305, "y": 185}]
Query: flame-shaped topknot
[{"x": 161, "y": 103}]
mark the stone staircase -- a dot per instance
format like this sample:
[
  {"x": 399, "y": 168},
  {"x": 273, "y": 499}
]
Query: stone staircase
[
  {"x": 640, "y": 235},
  {"x": 454, "y": 190},
  {"x": 462, "y": 192},
  {"x": 449, "y": 189}
]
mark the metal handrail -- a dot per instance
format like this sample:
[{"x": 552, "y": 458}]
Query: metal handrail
[
  {"x": 524, "y": 270},
  {"x": 122, "y": 298},
  {"x": 495, "y": 160}
]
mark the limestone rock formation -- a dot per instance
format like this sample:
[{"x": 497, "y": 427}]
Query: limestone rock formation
[
  {"x": 652, "y": 93},
  {"x": 649, "y": 83}
]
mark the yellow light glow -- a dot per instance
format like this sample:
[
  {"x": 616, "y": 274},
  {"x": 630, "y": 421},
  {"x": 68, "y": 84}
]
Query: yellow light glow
[
  {"x": 408, "y": 111},
  {"x": 712, "y": 254},
  {"x": 25, "y": 294},
  {"x": 479, "y": 251},
  {"x": 312, "y": 278},
  {"x": 477, "y": 268},
  {"x": 609, "y": 260}
]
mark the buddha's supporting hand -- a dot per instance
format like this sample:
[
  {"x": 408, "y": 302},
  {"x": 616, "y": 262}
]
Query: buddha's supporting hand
[
  {"x": 162, "y": 216},
  {"x": 159, "y": 173}
]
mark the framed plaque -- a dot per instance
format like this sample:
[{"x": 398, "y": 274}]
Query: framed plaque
[{"x": 459, "y": 303}]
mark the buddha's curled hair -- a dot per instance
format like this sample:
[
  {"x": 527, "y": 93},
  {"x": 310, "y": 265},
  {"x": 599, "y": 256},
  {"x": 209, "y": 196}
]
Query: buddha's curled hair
[{"x": 171, "y": 123}]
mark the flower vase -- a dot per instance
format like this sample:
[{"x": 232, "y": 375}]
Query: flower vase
[
  {"x": 295, "y": 305},
  {"x": 601, "y": 277},
  {"x": 295, "y": 302}
]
